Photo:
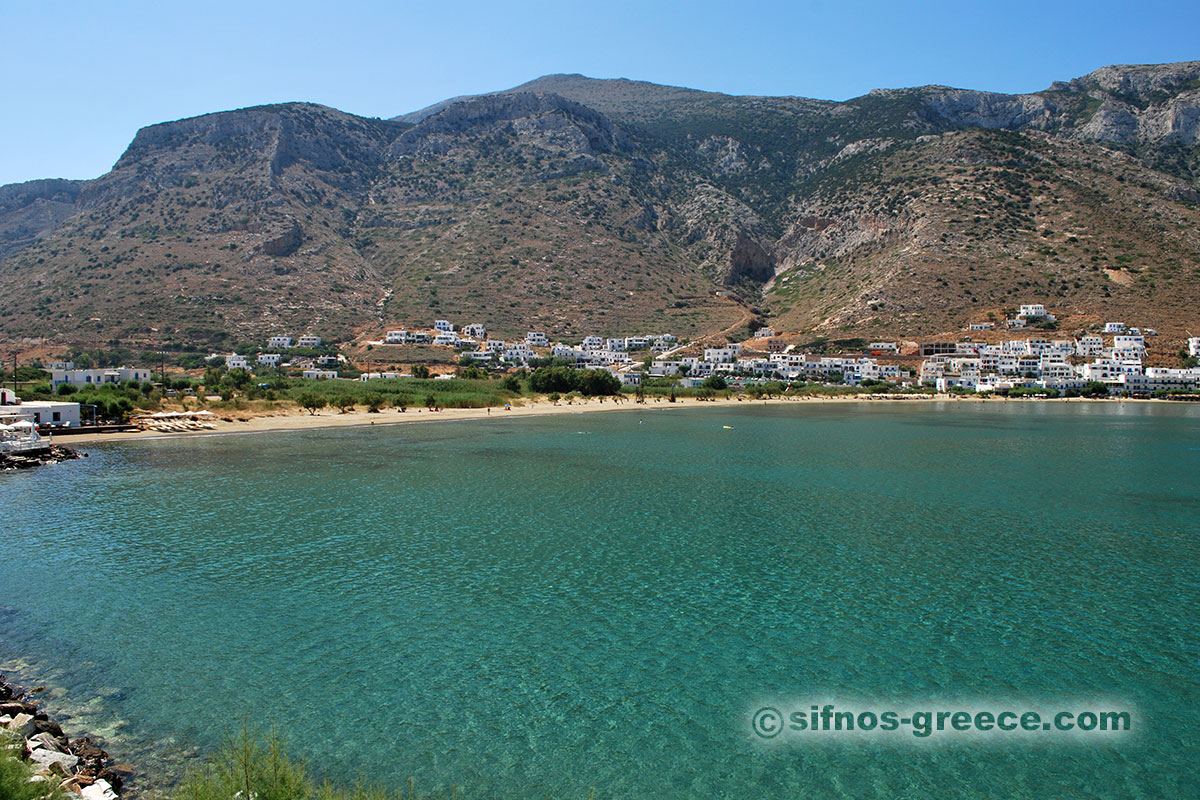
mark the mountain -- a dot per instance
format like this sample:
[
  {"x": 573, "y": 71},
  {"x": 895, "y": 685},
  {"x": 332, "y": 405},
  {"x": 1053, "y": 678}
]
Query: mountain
[{"x": 580, "y": 205}]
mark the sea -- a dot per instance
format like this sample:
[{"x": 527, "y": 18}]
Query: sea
[{"x": 603, "y": 605}]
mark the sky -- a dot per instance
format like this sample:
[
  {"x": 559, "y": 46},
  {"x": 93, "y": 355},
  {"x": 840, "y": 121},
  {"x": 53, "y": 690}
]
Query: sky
[{"x": 80, "y": 78}]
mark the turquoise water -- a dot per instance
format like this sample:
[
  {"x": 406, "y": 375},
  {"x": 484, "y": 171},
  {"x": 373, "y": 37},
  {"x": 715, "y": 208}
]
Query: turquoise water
[{"x": 539, "y": 608}]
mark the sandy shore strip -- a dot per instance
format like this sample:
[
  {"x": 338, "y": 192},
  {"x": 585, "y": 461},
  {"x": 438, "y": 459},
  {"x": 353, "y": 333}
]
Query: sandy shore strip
[{"x": 297, "y": 420}]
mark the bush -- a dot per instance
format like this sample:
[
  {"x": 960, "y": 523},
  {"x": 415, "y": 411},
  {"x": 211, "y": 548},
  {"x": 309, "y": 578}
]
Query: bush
[
  {"x": 65, "y": 389},
  {"x": 311, "y": 402},
  {"x": 591, "y": 382},
  {"x": 244, "y": 766},
  {"x": 15, "y": 775}
]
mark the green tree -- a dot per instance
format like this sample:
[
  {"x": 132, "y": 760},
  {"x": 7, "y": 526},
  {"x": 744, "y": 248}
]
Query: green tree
[
  {"x": 430, "y": 401},
  {"x": 312, "y": 402},
  {"x": 420, "y": 371},
  {"x": 598, "y": 382},
  {"x": 374, "y": 401},
  {"x": 343, "y": 403}
]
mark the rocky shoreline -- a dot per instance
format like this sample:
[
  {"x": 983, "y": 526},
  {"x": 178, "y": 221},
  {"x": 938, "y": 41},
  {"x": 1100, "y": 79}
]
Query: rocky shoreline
[
  {"x": 79, "y": 766},
  {"x": 51, "y": 455}
]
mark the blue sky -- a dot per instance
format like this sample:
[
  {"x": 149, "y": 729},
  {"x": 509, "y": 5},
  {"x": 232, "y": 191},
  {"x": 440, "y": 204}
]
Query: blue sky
[{"x": 81, "y": 77}]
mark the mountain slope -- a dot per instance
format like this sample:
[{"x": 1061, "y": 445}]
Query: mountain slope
[{"x": 580, "y": 205}]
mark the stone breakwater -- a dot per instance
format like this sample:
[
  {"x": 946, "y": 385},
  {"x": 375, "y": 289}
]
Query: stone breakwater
[
  {"x": 50, "y": 455},
  {"x": 79, "y": 766}
]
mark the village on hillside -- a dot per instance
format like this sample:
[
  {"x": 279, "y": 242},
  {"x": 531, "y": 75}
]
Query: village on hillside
[{"x": 1111, "y": 361}]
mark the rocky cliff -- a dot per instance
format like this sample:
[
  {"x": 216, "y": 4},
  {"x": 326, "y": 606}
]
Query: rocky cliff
[{"x": 581, "y": 205}]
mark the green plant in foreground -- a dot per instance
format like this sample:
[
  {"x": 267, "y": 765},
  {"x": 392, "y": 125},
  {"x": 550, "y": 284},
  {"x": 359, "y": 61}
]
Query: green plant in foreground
[
  {"x": 245, "y": 766},
  {"x": 251, "y": 764},
  {"x": 15, "y": 775}
]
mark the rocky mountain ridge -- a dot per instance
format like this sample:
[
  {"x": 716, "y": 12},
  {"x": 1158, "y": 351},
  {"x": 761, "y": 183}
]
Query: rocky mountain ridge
[{"x": 578, "y": 205}]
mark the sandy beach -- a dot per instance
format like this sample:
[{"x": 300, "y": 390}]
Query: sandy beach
[{"x": 296, "y": 420}]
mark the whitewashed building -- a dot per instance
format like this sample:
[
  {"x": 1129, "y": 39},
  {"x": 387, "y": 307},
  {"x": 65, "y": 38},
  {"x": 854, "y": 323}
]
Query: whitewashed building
[
  {"x": 309, "y": 341},
  {"x": 268, "y": 359},
  {"x": 279, "y": 342},
  {"x": 96, "y": 377},
  {"x": 43, "y": 412}
]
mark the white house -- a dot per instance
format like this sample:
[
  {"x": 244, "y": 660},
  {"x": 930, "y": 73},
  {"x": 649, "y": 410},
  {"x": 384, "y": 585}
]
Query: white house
[
  {"x": 235, "y": 361},
  {"x": 592, "y": 343},
  {"x": 447, "y": 339},
  {"x": 722, "y": 355},
  {"x": 1089, "y": 346},
  {"x": 981, "y": 326},
  {"x": 309, "y": 341},
  {"x": 1127, "y": 346},
  {"x": 268, "y": 359},
  {"x": 279, "y": 342},
  {"x": 443, "y": 325},
  {"x": 320, "y": 374},
  {"x": 1114, "y": 327},
  {"x": 475, "y": 331},
  {"x": 1194, "y": 346},
  {"x": 1033, "y": 311},
  {"x": 765, "y": 332},
  {"x": 370, "y": 376},
  {"x": 61, "y": 365},
  {"x": 43, "y": 413},
  {"x": 518, "y": 351},
  {"x": 395, "y": 337},
  {"x": 95, "y": 377},
  {"x": 616, "y": 345},
  {"x": 536, "y": 339},
  {"x": 567, "y": 353}
]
